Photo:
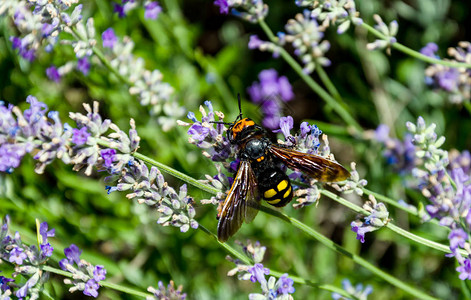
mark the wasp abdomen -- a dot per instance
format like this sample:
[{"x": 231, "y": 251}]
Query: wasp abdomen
[{"x": 275, "y": 187}]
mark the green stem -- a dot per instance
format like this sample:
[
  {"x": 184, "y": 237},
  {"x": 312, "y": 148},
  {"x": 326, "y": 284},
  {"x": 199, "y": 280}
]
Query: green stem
[
  {"x": 329, "y": 84},
  {"x": 296, "y": 279},
  {"x": 418, "y": 55},
  {"x": 335, "y": 247},
  {"x": 329, "y": 100},
  {"x": 110, "y": 285}
]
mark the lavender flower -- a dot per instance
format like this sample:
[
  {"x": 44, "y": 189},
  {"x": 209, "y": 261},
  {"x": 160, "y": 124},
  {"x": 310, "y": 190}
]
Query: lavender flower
[
  {"x": 39, "y": 23},
  {"x": 306, "y": 37},
  {"x": 109, "y": 38},
  {"x": 83, "y": 65},
  {"x": 378, "y": 217},
  {"x": 400, "y": 155},
  {"x": 271, "y": 288},
  {"x": 256, "y": 43},
  {"x": 336, "y": 12},
  {"x": 53, "y": 74},
  {"x": 80, "y": 136},
  {"x": 389, "y": 31},
  {"x": 357, "y": 292},
  {"x": 147, "y": 85},
  {"x": 248, "y": 10},
  {"x": 455, "y": 81},
  {"x": 86, "y": 277},
  {"x": 169, "y": 293},
  {"x": 271, "y": 92},
  {"x": 429, "y": 50},
  {"x": 153, "y": 10},
  {"x": 27, "y": 259},
  {"x": 149, "y": 187}
]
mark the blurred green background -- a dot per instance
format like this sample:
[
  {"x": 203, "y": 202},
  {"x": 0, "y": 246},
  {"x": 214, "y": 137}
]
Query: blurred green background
[{"x": 204, "y": 56}]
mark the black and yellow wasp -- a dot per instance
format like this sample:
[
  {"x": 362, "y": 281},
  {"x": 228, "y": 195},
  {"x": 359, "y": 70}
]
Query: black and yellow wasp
[{"x": 259, "y": 174}]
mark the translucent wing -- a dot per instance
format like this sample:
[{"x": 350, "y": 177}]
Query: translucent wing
[
  {"x": 241, "y": 202},
  {"x": 315, "y": 166}
]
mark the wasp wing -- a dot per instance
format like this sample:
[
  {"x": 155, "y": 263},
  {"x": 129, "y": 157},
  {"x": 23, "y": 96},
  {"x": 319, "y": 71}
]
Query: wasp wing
[
  {"x": 315, "y": 166},
  {"x": 241, "y": 202}
]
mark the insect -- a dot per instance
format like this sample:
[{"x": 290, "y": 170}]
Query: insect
[{"x": 259, "y": 174}]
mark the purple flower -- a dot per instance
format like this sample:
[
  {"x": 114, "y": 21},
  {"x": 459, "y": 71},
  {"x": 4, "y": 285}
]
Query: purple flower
[
  {"x": 47, "y": 29},
  {"x": 80, "y": 136},
  {"x": 305, "y": 129},
  {"x": 53, "y": 74},
  {"x": 258, "y": 273},
  {"x": 198, "y": 132},
  {"x": 73, "y": 254},
  {"x": 382, "y": 133},
  {"x": 449, "y": 79},
  {"x": 4, "y": 283},
  {"x": 91, "y": 288},
  {"x": 356, "y": 227},
  {"x": 429, "y": 50},
  {"x": 46, "y": 250},
  {"x": 286, "y": 285},
  {"x": 286, "y": 124},
  {"x": 120, "y": 10},
  {"x": 153, "y": 10},
  {"x": 109, "y": 38},
  {"x": 108, "y": 156},
  {"x": 44, "y": 233},
  {"x": 254, "y": 42},
  {"x": 17, "y": 256},
  {"x": 99, "y": 273},
  {"x": 223, "y": 6},
  {"x": 465, "y": 270},
  {"x": 83, "y": 65},
  {"x": 10, "y": 156}
]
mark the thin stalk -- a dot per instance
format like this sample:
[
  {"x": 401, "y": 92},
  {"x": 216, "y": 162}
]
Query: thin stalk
[
  {"x": 335, "y": 247},
  {"x": 329, "y": 84},
  {"x": 329, "y": 100},
  {"x": 110, "y": 285},
  {"x": 418, "y": 55}
]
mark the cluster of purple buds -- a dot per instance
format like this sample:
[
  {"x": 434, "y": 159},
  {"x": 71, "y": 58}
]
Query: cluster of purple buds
[
  {"x": 146, "y": 84},
  {"x": 306, "y": 36},
  {"x": 308, "y": 141},
  {"x": 27, "y": 260},
  {"x": 32, "y": 132},
  {"x": 149, "y": 187},
  {"x": 39, "y": 23},
  {"x": 85, "y": 276},
  {"x": 378, "y": 217},
  {"x": 152, "y": 8},
  {"x": 399, "y": 154},
  {"x": 389, "y": 32},
  {"x": 357, "y": 292},
  {"x": 170, "y": 293},
  {"x": 272, "y": 289},
  {"x": 208, "y": 135},
  {"x": 444, "y": 179},
  {"x": 341, "y": 13},
  {"x": 249, "y": 10},
  {"x": 455, "y": 81},
  {"x": 271, "y": 92}
]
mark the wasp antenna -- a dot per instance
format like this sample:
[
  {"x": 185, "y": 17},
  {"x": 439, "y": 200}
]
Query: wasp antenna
[{"x": 240, "y": 106}]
